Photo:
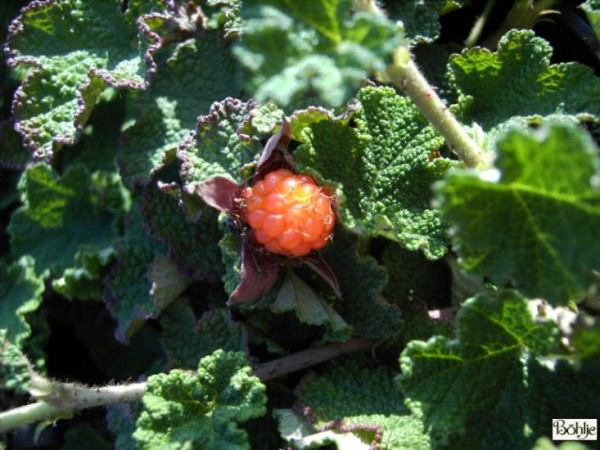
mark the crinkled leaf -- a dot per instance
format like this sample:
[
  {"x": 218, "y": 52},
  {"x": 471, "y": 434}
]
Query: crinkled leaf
[
  {"x": 518, "y": 80},
  {"x": 419, "y": 17},
  {"x": 465, "y": 388},
  {"x": 361, "y": 280},
  {"x": 534, "y": 218},
  {"x": 364, "y": 397},
  {"x": 76, "y": 49},
  {"x": 215, "y": 148},
  {"x": 227, "y": 16},
  {"x": 192, "y": 246},
  {"x": 15, "y": 370},
  {"x": 297, "y": 431},
  {"x": 190, "y": 77},
  {"x": 20, "y": 293},
  {"x": 203, "y": 410},
  {"x": 187, "y": 340},
  {"x": 292, "y": 50},
  {"x": 128, "y": 287},
  {"x": 383, "y": 169},
  {"x": 62, "y": 216},
  {"x": 592, "y": 10},
  {"x": 12, "y": 153},
  {"x": 310, "y": 308}
]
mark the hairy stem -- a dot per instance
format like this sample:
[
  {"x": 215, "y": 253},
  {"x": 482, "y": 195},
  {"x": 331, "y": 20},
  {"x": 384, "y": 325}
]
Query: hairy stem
[
  {"x": 405, "y": 74},
  {"x": 58, "y": 400}
]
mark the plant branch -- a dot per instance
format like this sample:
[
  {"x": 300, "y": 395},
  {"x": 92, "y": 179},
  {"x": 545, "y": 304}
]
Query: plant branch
[
  {"x": 58, "y": 400},
  {"x": 405, "y": 74}
]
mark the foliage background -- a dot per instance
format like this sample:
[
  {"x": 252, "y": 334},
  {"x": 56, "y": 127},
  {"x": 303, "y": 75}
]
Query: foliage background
[{"x": 113, "y": 270}]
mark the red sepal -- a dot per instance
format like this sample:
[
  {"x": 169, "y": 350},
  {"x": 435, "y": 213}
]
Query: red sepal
[
  {"x": 316, "y": 262},
  {"x": 259, "y": 273}
]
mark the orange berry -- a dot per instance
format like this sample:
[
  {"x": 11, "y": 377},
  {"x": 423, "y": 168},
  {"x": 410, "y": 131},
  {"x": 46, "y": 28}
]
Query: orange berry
[{"x": 289, "y": 214}]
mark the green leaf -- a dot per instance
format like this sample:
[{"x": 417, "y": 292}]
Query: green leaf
[
  {"x": 383, "y": 169},
  {"x": 20, "y": 293},
  {"x": 532, "y": 219},
  {"x": 310, "y": 308},
  {"x": 293, "y": 50},
  {"x": 518, "y": 80},
  {"x": 83, "y": 281},
  {"x": 361, "y": 280},
  {"x": 203, "y": 410},
  {"x": 419, "y": 17},
  {"x": 75, "y": 48},
  {"x": 167, "y": 281},
  {"x": 128, "y": 287},
  {"x": 191, "y": 76},
  {"x": 363, "y": 396},
  {"x": 186, "y": 339},
  {"x": 216, "y": 148},
  {"x": 592, "y": 10},
  {"x": 192, "y": 246},
  {"x": 62, "y": 218},
  {"x": 471, "y": 390}
]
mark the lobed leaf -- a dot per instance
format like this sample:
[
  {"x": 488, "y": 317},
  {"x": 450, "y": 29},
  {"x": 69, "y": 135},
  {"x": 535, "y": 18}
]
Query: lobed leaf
[
  {"x": 15, "y": 369},
  {"x": 532, "y": 219},
  {"x": 73, "y": 50},
  {"x": 293, "y": 51},
  {"x": 190, "y": 77},
  {"x": 518, "y": 80},
  {"x": 20, "y": 293},
  {"x": 202, "y": 410},
  {"x": 366, "y": 402},
  {"x": 465, "y": 388},
  {"x": 64, "y": 219},
  {"x": 383, "y": 169}
]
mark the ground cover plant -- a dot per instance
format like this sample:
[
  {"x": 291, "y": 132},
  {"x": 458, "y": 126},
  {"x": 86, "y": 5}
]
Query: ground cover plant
[{"x": 274, "y": 224}]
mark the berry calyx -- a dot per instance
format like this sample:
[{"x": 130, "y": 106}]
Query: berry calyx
[{"x": 289, "y": 214}]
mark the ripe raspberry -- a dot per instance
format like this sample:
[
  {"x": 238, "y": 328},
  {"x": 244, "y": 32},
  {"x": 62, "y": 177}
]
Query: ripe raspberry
[{"x": 289, "y": 214}]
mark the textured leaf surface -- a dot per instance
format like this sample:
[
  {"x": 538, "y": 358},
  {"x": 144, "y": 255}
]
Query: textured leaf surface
[
  {"x": 203, "y": 410},
  {"x": 465, "y": 388},
  {"x": 192, "y": 246},
  {"x": 128, "y": 287},
  {"x": 419, "y": 17},
  {"x": 366, "y": 400},
  {"x": 293, "y": 50},
  {"x": 190, "y": 77},
  {"x": 534, "y": 219},
  {"x": 186, "y": 339},
  {"x": 518, "y": 80},
  {"x": 61, "y": 217},
  {"x": 20, "y": 293},
  {"x": 215, "y": 148},
  {"x": 76, "y": 49},
  {"x": 361, "y": 280},
  {"x": 382, "y": 169}
]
